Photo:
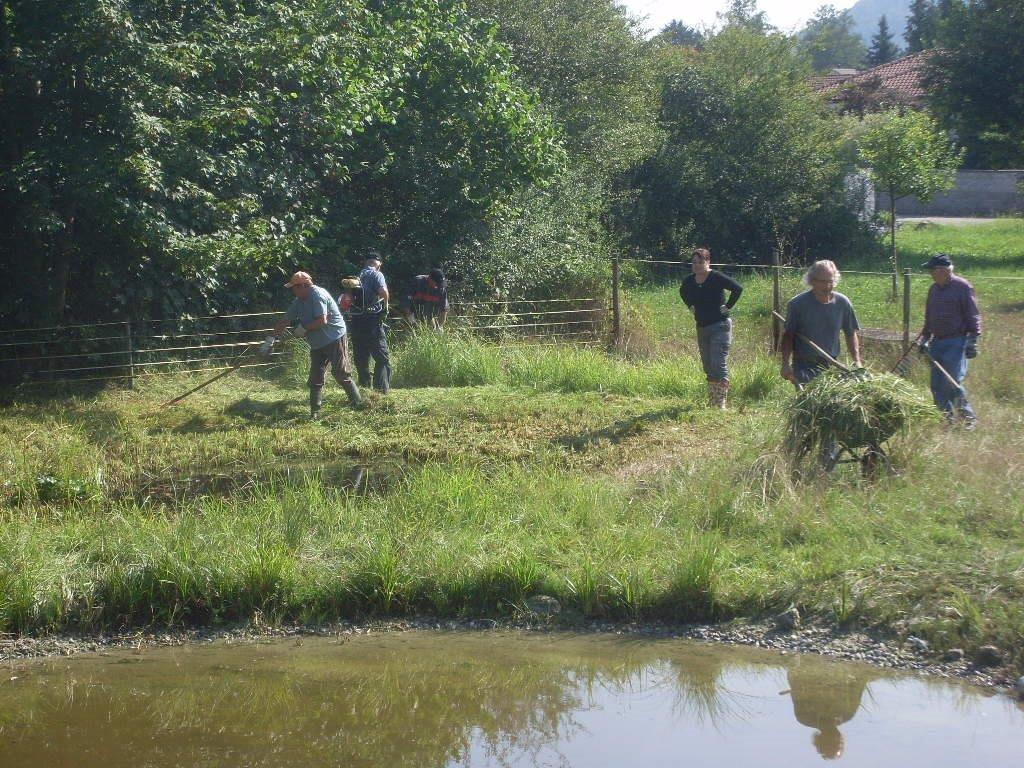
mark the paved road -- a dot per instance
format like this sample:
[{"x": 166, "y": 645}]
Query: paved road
[{"x": 948, "y": 220}]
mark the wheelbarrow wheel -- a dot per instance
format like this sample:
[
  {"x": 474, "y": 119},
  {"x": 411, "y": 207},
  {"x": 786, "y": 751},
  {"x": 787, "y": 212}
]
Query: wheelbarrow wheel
[{"x": 874, "y": 463}]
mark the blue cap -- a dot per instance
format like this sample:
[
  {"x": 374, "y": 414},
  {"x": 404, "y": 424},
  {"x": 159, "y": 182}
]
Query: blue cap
[{"x": 938, "y": 260}]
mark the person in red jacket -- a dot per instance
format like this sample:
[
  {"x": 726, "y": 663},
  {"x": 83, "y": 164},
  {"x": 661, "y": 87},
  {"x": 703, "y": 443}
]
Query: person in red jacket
[{"x": 427, "y": 299}]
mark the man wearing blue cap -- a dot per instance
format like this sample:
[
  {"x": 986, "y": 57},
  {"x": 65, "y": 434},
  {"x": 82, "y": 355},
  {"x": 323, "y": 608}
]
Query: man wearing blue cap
[{"x": 952, "y": 325}]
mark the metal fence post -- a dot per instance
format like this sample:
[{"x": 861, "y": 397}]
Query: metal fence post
[
  {"x": 776, "y": 301},
  {"x": 616, "y": 303},
  {"x": 131, "y": 353},
  {"x": 895, "y": 287},
  {"x": 906, "y": 308}
]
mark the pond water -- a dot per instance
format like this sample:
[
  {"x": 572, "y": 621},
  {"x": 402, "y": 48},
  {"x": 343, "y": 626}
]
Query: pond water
[{"x": 489, "y": 699}]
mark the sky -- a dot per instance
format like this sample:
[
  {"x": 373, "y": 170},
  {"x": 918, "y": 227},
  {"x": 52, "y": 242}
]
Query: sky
[{"x": 788, "y": 15}]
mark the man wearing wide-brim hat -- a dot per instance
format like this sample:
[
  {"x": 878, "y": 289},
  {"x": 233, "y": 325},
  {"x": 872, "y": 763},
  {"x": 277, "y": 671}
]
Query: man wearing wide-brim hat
[
  {"x": 317, "y": 319},
  {"x": 952, "y": 325}
]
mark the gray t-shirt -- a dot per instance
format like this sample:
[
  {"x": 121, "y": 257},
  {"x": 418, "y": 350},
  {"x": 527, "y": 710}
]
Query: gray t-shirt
[
  {"x": 317, "y": 304},
  {"x": 819, "y": 322}
]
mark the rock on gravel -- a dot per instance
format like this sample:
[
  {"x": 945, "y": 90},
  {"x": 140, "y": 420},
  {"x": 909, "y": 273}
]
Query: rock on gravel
[
  {"x": 543, "y": 605},
  {"x": 988, "y": 656},
  {"x": 919, "y": 645},
  {"x": 789, "y": 620},
  {"x": 953, "y": 654}
]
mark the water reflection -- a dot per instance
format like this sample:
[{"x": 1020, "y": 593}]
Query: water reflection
[
  {"x": 462, "y": 699},
  {"x": 824, "y": 697}
]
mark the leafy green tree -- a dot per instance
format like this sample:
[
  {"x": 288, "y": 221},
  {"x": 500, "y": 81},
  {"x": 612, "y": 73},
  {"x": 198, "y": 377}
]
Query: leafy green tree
[
  {"x": 749, "y": 157},
  {"x": 921, "y": 26},
  {"x": 160, "y": 156},
  {"x": 678, "y": 33},
  {"x": 831, "y": 40},
  {"x": 907, "y": 153},
  {"x": 976, "y": 80},
  {"x": 883, "y": 49},
  {"x": 746, "y": 14},
  {"x": 599, "y": 81}
]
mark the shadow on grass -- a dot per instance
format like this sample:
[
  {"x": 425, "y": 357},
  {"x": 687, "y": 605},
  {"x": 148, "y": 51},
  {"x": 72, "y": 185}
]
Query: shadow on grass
[
  {"x": 623, "y": 428},
  {"x": 255, "y": 412},
  {"x": 260, "y": 411}
]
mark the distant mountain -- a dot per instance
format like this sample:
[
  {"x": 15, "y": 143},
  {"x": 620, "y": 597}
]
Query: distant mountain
[{"x": 866, "y": 14}]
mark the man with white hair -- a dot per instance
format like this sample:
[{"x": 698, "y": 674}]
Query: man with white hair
[
  {"x": 819, "y": 314},
  {"x": 952, "y": 325}
]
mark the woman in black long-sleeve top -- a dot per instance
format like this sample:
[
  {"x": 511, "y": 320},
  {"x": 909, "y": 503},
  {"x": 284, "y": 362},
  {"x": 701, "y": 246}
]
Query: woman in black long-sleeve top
[{"x": 704, "y": 293}]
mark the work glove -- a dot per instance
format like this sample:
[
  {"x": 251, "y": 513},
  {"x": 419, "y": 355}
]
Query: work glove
[
  {"x": 971, "y": 349},
  {"x": 299, "y": 331},
  {"x": 267, "y": 345},
  {"x": 924, "y": 347},
  {"x": 724, "y": 310}
]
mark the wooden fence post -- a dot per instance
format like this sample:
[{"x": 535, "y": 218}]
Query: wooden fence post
[
  {"x": 906, "y": 308},
  {"x": 776, "y": 301},
  {"x": 131, "y": 353},
  {"x": 616, "y": 302}
]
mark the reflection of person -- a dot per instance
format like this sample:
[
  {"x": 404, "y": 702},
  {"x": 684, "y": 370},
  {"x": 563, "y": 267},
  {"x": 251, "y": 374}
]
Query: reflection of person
[
  {"x": 368, "y": 338},
  {"x": 427, "y": 299},
  {"x": 704, "y": 293},
  {"x": 824, "y": 697},
  {"x": 818, "y": 314},
  {"x": 952, "y": 324},
  {"x": 317, "y": 319}
]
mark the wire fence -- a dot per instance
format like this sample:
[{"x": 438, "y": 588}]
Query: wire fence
[
  {"x": 124, "y": 351},
  {"x": 894, "y": 319}
]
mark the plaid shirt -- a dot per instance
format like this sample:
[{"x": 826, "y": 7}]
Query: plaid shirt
[{"x": 952, "y": 310}]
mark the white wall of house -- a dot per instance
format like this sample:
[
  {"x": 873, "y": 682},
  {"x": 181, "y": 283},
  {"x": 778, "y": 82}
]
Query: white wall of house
[{"x": 977, "y": 193}]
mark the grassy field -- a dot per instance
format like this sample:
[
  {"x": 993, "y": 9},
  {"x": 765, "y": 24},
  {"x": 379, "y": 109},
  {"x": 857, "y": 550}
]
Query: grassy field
[{"x": 504, "y": 472}]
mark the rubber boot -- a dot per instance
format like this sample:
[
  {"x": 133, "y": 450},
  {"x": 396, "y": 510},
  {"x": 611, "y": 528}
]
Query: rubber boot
[
  {"x": 352, "y": 391},
  {"x": 718, "y": 391},
  {"x": 315, "y": 402}
]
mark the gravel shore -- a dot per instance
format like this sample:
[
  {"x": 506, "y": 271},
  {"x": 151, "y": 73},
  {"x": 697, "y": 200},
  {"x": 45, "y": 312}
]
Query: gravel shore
[{"x": 885, "y": 652}]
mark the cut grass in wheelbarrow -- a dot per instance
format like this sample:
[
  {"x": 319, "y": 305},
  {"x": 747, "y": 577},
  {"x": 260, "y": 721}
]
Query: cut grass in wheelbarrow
[{"x": 839, "y": 411}]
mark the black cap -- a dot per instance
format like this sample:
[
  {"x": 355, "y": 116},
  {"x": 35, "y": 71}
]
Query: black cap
[
  {"x": 938, "y": 260},
  {"x": 373, "y": 254},
  {"x": 437, "y": 276}
]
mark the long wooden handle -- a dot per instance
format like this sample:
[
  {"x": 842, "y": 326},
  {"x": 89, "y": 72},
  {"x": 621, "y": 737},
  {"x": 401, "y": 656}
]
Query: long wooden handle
[
  {"x": 815, "y": 347},
  {"x": 945, "y": 373},
  {"x": 234, "y": 367}
]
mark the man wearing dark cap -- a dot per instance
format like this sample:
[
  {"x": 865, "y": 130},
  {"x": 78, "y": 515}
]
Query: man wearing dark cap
[
  {"x": 315, "y": 317},
  {"x": 952, "y": 325},
  {"x": 368, "y": 339},
  {"x": 427, "y": 300}
]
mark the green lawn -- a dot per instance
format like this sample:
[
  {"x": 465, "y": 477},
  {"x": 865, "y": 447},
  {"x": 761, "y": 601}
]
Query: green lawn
[{"x": 600, "y": 479}]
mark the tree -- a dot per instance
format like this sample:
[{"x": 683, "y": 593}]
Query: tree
[
  {"x": 599, "y": 81},
  {"x": 745, "y": 13},
  {"x": 977, "y": 81},
  {"x": 749, "y": 155},
  {"x": 677, "y": 33},
  {"x": 157, "y": 155},
  {"x": 883, "y": 49},
  {"x": 907, "y": 153},
  {"x": 831, "y": 41},
  {"x": 921, "y": 26}
]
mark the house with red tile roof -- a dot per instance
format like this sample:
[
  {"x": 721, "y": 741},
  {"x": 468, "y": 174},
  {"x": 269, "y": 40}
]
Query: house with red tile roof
[{"x": 898, "y": 83}]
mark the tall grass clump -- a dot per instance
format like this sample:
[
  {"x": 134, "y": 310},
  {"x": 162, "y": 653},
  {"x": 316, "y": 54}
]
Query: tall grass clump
[
  {"x": 852, "y": 410},
  {"x": 429, "y": 358}
]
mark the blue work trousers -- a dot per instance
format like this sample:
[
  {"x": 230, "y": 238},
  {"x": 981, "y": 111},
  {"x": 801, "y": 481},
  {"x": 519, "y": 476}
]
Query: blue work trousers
[{"x": 949, "y": 353}]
